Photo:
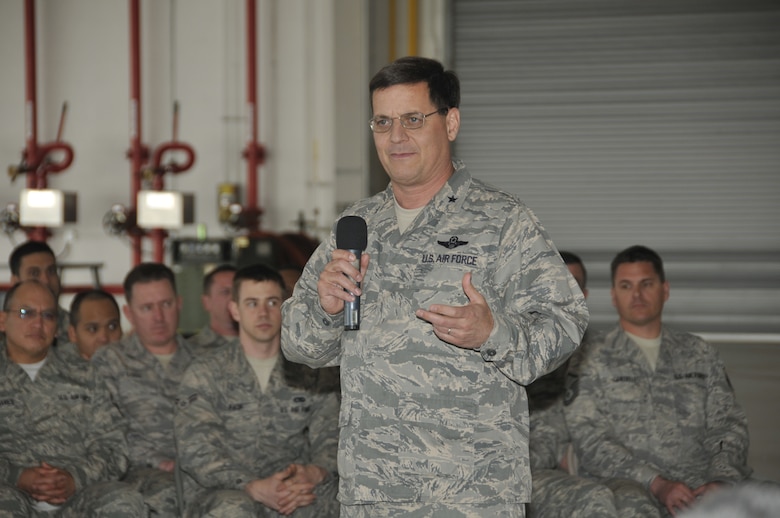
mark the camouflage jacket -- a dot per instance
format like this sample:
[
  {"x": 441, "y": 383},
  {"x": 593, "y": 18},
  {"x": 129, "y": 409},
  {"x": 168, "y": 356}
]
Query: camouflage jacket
[
  {"x": 229, "y": 432},
  {"x": 423, "y": 420},
  {"x": 206, "y": 339},
  {"x": 63, "y": 322},
  {"x": 680, "y": 421},
  {"x": 145, "y": 393},
  {"x": 550, "y": 438},
  {"x": 64, "y": 418}
]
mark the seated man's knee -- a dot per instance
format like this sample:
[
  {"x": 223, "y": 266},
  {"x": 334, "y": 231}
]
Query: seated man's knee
[
  {"x": 632, "y": 499},
  {"x": 14, "y": 503},
  {"x": 117, "y": 499},
  {"x": 222, "y": 502},
  {"x": 557, "y": 494},
  {"x": 110, "y": 498},
  {"x": 158, "y": 489}
]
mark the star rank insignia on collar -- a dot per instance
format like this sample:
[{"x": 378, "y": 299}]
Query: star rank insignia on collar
[{"x": 451, "y": 199}]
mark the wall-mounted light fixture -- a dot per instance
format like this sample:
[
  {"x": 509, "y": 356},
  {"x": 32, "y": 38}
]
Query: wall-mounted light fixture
[
  {"x": 46, "y": 207},
  {"x": 164, "y": 209}
]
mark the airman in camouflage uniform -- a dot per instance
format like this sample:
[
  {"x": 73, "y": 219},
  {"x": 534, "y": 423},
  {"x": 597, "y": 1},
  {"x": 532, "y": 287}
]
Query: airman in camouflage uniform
[
  {"x": 671, "y": 424},
  {"x": 35, "y": 260},
  {"x": 221, "y": 327},
  {"x": 143, "y": 387},
  {"x": 62, "y": 443},
  {"x": 460, "y": 309},
  {"x": 207, "y": 339},
  {"x": 94, "y": 322},
  {"x": 558, "y": 492},
  {"x": 63, "y": 321},
  {"x": 232, "y": 434}
]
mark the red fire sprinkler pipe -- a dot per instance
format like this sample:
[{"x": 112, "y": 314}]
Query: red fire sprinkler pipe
[
  {"x": 36, "y": 161},
  {"x": 31, "y": 109},
  {"x": 254, "y": 151},
  {"x": 159, "y": 169},
  {"x": 138, "y": 152}
]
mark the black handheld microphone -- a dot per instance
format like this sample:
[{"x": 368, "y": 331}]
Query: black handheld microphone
[{"x": 352, "y": 235}]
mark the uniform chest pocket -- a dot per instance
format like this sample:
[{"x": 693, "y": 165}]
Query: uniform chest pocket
[
  {"x": 294, "y": 414},
  {"x": 690, "y": 395},
  {"x": 138, "y": 395},
  {"x": 241, "y": 417},
  {"x": 626, "y": 396},
  {"x": 70, "y": 410}
]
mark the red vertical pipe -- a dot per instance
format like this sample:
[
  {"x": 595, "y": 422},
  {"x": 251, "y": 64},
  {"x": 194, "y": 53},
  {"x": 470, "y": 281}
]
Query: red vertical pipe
[
  {"x": 30, "y": 107},
  {"x": 31, "y": 157},
  {"x": 157, "y": 235},
  {"x": 252, "y": 155},
  {"x": 136, "y": 153}
]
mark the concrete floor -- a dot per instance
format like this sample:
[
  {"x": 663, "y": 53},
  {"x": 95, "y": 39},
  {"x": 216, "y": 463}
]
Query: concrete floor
[{"x": 754, "y": 370}]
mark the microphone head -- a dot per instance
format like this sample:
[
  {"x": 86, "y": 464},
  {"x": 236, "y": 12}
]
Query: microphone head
[{"x": 351, "y": 233}]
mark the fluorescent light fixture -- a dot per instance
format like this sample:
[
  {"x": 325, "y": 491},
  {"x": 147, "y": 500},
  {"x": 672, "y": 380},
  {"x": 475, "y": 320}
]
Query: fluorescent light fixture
[
  {"x": 160, "y": 209},
  {"x": 41, "y": 207},
  {"x": 162, "y": 200}
]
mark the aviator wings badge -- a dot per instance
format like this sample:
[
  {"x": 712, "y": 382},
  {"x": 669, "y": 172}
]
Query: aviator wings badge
[{"x": 454, "y": 242}]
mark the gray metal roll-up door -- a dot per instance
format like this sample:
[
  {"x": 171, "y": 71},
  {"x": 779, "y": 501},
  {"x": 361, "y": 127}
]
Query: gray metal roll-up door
[{"x": 626, "y": 121}]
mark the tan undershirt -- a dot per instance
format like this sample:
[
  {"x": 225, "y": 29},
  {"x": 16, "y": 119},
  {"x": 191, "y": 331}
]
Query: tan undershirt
[
  {"x": 649, "y": 346},
  {"x": 165, "y": 359},
  {"x": 32, "y": 368},
  {"x": 263, "y": 368},
  {"x": 405, "y": 216}
]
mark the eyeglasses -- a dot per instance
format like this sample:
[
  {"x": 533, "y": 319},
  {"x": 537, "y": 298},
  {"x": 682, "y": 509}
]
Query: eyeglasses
[
  {"x": 32, "y": 314},
  {"x": 414, "y": 120}
]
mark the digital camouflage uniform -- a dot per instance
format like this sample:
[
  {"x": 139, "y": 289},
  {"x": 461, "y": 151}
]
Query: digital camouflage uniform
[
  {"x": 229, "y": 432},
  {"x": 423, "y": 421},
  {"x": 64, "y": 418},
  {"x": 563, "y": 494},
  {"x": 680, "y": 421},
  {"x": 558, "y": 494},
  {"x": 70, "y": 352},
  {"x": 145, "y": 393},
  {"x": 63, "y": 322},
  {"x": 206, "y": 339}
]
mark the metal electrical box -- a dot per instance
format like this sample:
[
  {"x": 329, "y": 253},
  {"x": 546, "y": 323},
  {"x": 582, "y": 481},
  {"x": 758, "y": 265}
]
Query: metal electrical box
[{"x": 192, "y": 259}]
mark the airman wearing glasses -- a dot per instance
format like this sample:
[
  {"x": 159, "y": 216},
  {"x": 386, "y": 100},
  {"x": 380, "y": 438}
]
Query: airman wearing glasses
[
  {"x": 464, "y": 300},
  {"x": 35, "y": 260},
  {"x": 62, "y": 444},
  {"x": 29, "y": 322}
]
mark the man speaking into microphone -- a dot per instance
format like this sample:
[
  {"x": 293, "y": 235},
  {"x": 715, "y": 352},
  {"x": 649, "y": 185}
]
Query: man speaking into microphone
[{"x": 463, "y": 300}]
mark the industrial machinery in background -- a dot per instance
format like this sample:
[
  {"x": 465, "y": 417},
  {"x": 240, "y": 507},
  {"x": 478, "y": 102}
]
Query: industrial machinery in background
[
  {"x": 192, "y": 259},
  {"x": 39, "y": 208}
]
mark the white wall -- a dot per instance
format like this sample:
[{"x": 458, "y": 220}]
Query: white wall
[{"x": 193, "y": 52}]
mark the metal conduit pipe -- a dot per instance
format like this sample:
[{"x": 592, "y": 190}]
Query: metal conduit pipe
[
  {"x": 159, "y": 169},
  {"x": 254, "y": 152},
  {"x": 138, "y": 152},
  {"x": 37, "y": 163}
]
